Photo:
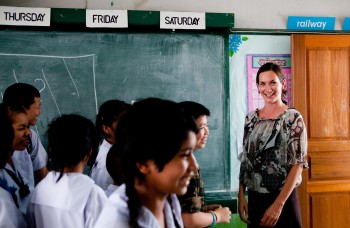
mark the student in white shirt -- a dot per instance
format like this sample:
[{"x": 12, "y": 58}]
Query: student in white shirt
[
  {"x": 66, "y": 197},
  {"x": 156, "y": 140},
  {"x": 34, "y": 157},
  {"x": 10, "y": 216},
  {"x": 106, "y": 122},
  {"x": 12, "y": 172}
]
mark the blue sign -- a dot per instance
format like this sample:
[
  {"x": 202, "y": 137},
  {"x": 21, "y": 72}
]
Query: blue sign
[
  {"x": 346, "y": 24},
  {"x": 310, "y": 23}
]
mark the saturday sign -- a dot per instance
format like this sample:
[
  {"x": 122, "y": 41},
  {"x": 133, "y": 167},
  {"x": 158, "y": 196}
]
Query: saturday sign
[
  {"x": 106, "y": 18},
  {"x": 182, "y": 20},
  {"x": 25, "y": 16}
]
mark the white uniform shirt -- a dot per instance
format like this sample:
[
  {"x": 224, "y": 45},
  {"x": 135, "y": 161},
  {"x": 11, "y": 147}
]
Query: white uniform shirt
[
  {"x": 110, "y": 189},
  {"x": 73, "y": 201},
  {"x": 27, "y": 163},
  {"x": 10, "y": 216},
  {"x": 22, "y": 202},
  {"x": 116, "y": 213},
  {"x": 99, "y": 171}
]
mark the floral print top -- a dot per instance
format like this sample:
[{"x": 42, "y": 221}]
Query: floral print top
[{"x": 270, "y": 148}]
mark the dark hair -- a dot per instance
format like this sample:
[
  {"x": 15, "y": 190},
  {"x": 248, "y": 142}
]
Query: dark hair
[
  {"x": 70, "y": 138},
  {"x": 6, "y": 136},
  {"x": 152, "y": 129},
  {"x": 108, "y": 113},
  {"x": 114, "y": 165},
  {"x": 194, "y": 109},
  {"x": 20, "y": 95},
  {"x": 269, "y": 66}
]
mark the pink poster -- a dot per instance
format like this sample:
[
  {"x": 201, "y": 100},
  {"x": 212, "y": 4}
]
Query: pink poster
[{"x": 253, "y": 64}]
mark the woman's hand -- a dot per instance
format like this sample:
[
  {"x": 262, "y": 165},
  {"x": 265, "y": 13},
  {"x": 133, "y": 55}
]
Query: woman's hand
[
  {"x": 243, "y": 208},
  {"x": 271, "y": 215}
]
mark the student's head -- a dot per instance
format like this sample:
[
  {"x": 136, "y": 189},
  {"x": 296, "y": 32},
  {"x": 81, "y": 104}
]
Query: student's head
[
  {"x": 21, "y": 126},
  {"x": 6, "y": 136},
  {"x": 114, "y": 165},
  {"x": 157, "y": 141},
  {"x": 23, "y": 95},
  {"x": 71, "y": 139},
  {"x": 107, "y": 118},
  {"x": 271, "y": 82},
  {"x": 200, "y": 114}
]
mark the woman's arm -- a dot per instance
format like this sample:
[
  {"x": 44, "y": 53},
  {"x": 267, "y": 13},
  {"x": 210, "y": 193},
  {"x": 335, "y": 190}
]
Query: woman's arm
[
  {"x": 242, "y": 204},
  {"x": 272, "y": 213}
]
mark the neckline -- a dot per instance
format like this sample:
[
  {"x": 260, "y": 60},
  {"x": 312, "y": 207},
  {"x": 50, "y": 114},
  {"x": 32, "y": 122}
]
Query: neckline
[{"x": 277, "y": 118}]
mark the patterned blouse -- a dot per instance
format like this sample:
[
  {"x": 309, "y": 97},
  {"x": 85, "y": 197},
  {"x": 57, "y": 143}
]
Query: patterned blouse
[{"x": 270, "y": 148}]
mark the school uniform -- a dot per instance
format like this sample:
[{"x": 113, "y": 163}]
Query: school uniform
[
  {"x": 110, "y": 189},
  {"x": 99, "y": 171},
  {"x": 73, "y": 201},
  {"x": 116, "y": 213},
  {"x": 31, "y": 159},
  {"x": 10, "y": 216},
  {"x": 13, "y": 179}
]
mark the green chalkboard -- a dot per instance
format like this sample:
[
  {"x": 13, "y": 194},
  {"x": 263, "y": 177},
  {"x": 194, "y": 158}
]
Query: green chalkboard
[{"x": 76, "y": 71}]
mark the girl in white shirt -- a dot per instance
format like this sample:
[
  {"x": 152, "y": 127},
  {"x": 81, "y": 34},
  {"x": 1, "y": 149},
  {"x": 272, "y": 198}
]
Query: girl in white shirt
[
  {"x": 106, "y": 122},
  {"x": 10, "y": 216},
  {"x": 66, "y": 197},
  {"x": 156, "y": 141}
]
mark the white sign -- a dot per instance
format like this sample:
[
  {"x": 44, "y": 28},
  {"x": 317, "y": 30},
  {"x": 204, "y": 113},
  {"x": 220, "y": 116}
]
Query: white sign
[
  {"x": 25, "y": 16},
  {"x": 182, "y": 20},
  {"x": 106, "y": 18}
]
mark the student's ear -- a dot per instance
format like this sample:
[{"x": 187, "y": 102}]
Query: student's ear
[
  {"x": 87, "y": 156},
  {"x": 144, "y": 167},
  {"x": 107, "y": 130}
]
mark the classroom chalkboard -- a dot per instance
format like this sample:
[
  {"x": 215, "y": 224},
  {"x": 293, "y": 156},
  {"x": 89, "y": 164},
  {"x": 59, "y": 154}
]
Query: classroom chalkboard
[{"x": 76, "y": 71}]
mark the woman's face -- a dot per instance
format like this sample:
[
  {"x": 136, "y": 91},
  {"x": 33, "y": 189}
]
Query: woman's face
[
  {"x": 270, "y": 87},
  {"x": 21, "y": 127},
  {"x": 203, "y": 133},
  {"x": 176, "y": 174}
]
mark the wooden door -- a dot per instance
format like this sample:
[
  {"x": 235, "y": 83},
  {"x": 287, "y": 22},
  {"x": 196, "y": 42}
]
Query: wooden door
[{"x": 321, "y": 92}]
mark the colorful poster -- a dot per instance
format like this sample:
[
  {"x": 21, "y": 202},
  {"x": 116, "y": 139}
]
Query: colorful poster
[{"x": 253, "y": 64}]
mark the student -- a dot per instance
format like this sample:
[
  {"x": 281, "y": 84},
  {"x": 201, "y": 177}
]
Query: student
[
  {"x": 11, "y": 172},
  {"x": 156, "y": 140},
  {"x": 195, "y": 212},
  {"x": 106, "y": 122},
  {"x": 114, "y": 168},
  {"x": 66, "y": 197},
  {"x": 23, "y": 95},
  {"x": 10, "y": 216}
]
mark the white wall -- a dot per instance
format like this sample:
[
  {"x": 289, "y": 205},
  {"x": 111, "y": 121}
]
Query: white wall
[{"x": 249, "y": 14}]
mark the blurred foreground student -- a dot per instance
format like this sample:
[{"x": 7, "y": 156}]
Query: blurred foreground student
[
  {"x": 195, "y": 212},
  {"x": 157, "y": 142},
  {"x": 106, "y": 122},
  {"x": 66, "y": 197},
  {"x": 18, "y": 96},
  {"x": 10, "y": 216}
]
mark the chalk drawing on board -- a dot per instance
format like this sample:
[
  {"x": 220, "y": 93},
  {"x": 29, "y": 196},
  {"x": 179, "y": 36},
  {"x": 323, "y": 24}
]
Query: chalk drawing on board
[{"x": 66, "y": 83}]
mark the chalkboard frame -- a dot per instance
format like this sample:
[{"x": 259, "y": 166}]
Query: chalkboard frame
[{"x": 217, "y": 23}]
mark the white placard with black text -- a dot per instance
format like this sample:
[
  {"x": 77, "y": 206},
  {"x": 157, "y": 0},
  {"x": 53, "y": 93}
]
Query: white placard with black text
[
  {"x": 25, "y": 16},
  {"x": 182, "y": 20},
  {"x": 106, "y": 18}
]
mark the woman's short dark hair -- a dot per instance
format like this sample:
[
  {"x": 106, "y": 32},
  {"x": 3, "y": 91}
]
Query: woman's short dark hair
[{"x": 70, "y": 138}]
